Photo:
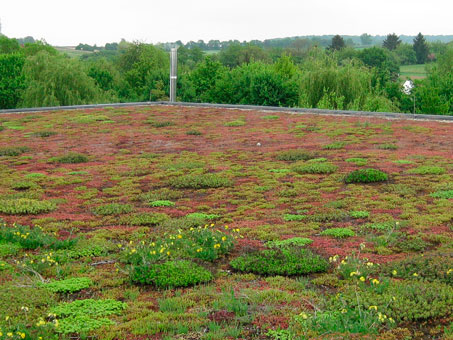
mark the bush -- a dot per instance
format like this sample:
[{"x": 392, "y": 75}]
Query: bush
[
  {"x": 112, "y": 209},
  {"x": 338, "y": 232},
  {"x": 25, "y": 206},
  {"x": 203, "y": 216},
  {"x": 14, "y": 151},
  {"x": 68, "y": 285},
  {"x": 200, "y": 181},
  {"x": 292, "y": 261},
  {"x": 24, "y": 185},
  {"x": 316, "y": 168},
  {"x": 366, "y": 176},
  {"x": 290, "y": 242},
  {"x": 70, "y": 158},
  {"x": 7, "y": 248},
  {"x": 295, "y": 155},
  {"x": 170, "y": 274},
  {"x": 357, "y": 161},
  {"x": 294, "y": 217}
]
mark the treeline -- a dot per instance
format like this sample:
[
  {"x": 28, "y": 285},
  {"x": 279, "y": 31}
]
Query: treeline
[{"x": 304, "y": 75}]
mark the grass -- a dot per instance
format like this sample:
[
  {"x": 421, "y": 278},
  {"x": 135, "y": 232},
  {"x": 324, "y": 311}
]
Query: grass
[
  {"x": 413, "y": 71},
  {"x": 204, "y": 234}
]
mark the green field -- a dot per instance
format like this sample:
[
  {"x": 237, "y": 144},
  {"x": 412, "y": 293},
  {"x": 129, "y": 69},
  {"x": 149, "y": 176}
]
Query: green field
[
  {"x": 413, "y": 71},
  {"x": 70, "y": 51}
]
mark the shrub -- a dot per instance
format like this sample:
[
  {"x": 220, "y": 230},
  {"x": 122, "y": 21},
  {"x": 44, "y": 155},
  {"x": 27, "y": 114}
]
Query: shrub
[
  {"x": 68, "y": 285},
  {"x": 447, "y": 194},
  {"x": 25, "y": 206},
  {"x": 286, "y": 261},
  {"x": 295, "y": 155},
  {"x": 290, "y": 242},
  {"x": 366, "y": 176},
  {"x": 34, "y": 238},
  {"x": 338, "y": 232},
  {"x": 112, "y": 209},
  {"x": 70, "y": 158},
  {"x": 430, "y": 268},
  {"x": 235, "y": 123},
  {"x": 428, "y": 170},
  {"x": 200, "y": 181},
  {"x": 146, "y": 219},
  {"x": 316, "y": 168},
  {"x": 203, "y": 216},
  {"x": 359, "y": 214},
  {"x": 14, "y": 151},
  {"x": 162, "y": 203},
  {"x": 170, "y": 274}
]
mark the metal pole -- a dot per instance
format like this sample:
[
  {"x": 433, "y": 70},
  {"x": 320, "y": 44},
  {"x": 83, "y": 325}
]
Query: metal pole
[{"x": 173, "y": 73}]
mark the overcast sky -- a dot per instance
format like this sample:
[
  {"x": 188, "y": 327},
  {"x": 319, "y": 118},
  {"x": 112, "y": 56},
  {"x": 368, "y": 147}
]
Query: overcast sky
[{"x": 69, "y": 22}]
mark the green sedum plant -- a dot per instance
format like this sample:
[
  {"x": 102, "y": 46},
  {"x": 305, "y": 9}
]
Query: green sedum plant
[
  {"x": 70, "y": 158},
  {"x": 170, "y": 274},
  {"x": 286, "y": 261},
  {"x": 338, "y": 232},
  {"x": 113, "y": 209},
  {"x": 204, "y": 181},
  {"x": 26, "y": 206},
  {"x": 295, "y": 155},
  {"x": 316, "y": 168},
  {"x": 366, "y": 176},
  {"x": 70, "y": 285},
  {"x": 290, "y": 242}
]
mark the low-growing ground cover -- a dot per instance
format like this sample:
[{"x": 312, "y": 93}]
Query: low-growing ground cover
[{"x": 126, "y": 224}]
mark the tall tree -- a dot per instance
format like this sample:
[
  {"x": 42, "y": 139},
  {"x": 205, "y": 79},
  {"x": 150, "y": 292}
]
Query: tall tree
[
  {"x": 337, "y": 43},
  {"x": 421, "y": 48},
  {"x": 366, "y": 39},
  {"x": 391, "y": 42}
]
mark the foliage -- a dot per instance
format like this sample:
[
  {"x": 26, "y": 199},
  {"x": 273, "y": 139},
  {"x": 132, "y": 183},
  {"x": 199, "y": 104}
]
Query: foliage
[
  {"x": 170, "y": 274},
  {"x": 359, "y": 214},
  {"x": 391, "y": 42},
  {"x": 55, "y": 80},
  {"x": 200, "y": 181},
  {"x": 447, "y": 194},
  {"x": 421, "y": 49},
  {"x": 25, "y": 206},
  {"x": 70, "y": 158},
  {"x": 357, "y": 161},
  {"x": 334, "y": 146},
  {"x": 286, "y": 261},
  {"x": 290, "y": 242},
  {"x": 147, "y": 219},
  {"x": 366, "y": 176},
  {"x": 338, "y": 232},
  {"x": 7, "y": 248},
  {"x": 68, "y": 285},
  {"x": 294, "y": 217},
  {"x": 235, "y": 123},
  {"x": 12, "y": 80},
  {"x": 337, "y": 43}
]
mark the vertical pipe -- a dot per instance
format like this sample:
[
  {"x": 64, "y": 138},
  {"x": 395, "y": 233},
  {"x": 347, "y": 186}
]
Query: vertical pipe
[{"x": 173, "y": 73}]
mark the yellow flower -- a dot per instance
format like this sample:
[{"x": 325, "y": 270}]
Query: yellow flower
[
  {"x": 362, "y": 279},
  {"x": 199, "y": 250},
  {"x": 1, "y": 334},
  {"x": 304, "y": 315},
  {"x": 449, "y": 271},
  {"x": 375, "y": 281},
  {"x": 9, "y": 334},
  {"x": 370, "y": 264},
  {"x": 7, "y": 318},
  {"x": 168, "y": 253},
  {"x": 179, "y": 236},
  {"x": 22, "y": 335},
  {"x": 344, "y": 311},
  {"x": 415, "y": 274},
  {"x": 217, "y": 245},
  {"x": 224, "y": 238},
  {"x": 372, "y": 307},
  {"x": 120, "y": 245},
  {"x": 226, "y": 227},
  {"x": 394, "y": 272}
]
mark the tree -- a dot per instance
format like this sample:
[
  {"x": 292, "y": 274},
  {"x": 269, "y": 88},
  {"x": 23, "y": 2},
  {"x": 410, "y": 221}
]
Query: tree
[
  {"x": 8, "y": 45},
  {"x": 366, "y": 39},
  {"x": 12, "y": 81},
  {"x": 204, "y": 79},
  {"x": 57, "y": 80},
  {"x": 391, "y": 42},
  {"x": 421, "y": 49},
  {"x": 406, "y": 54},
  {"x": 384, "y": 63},
  {"x": 337, "y": 43}
]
